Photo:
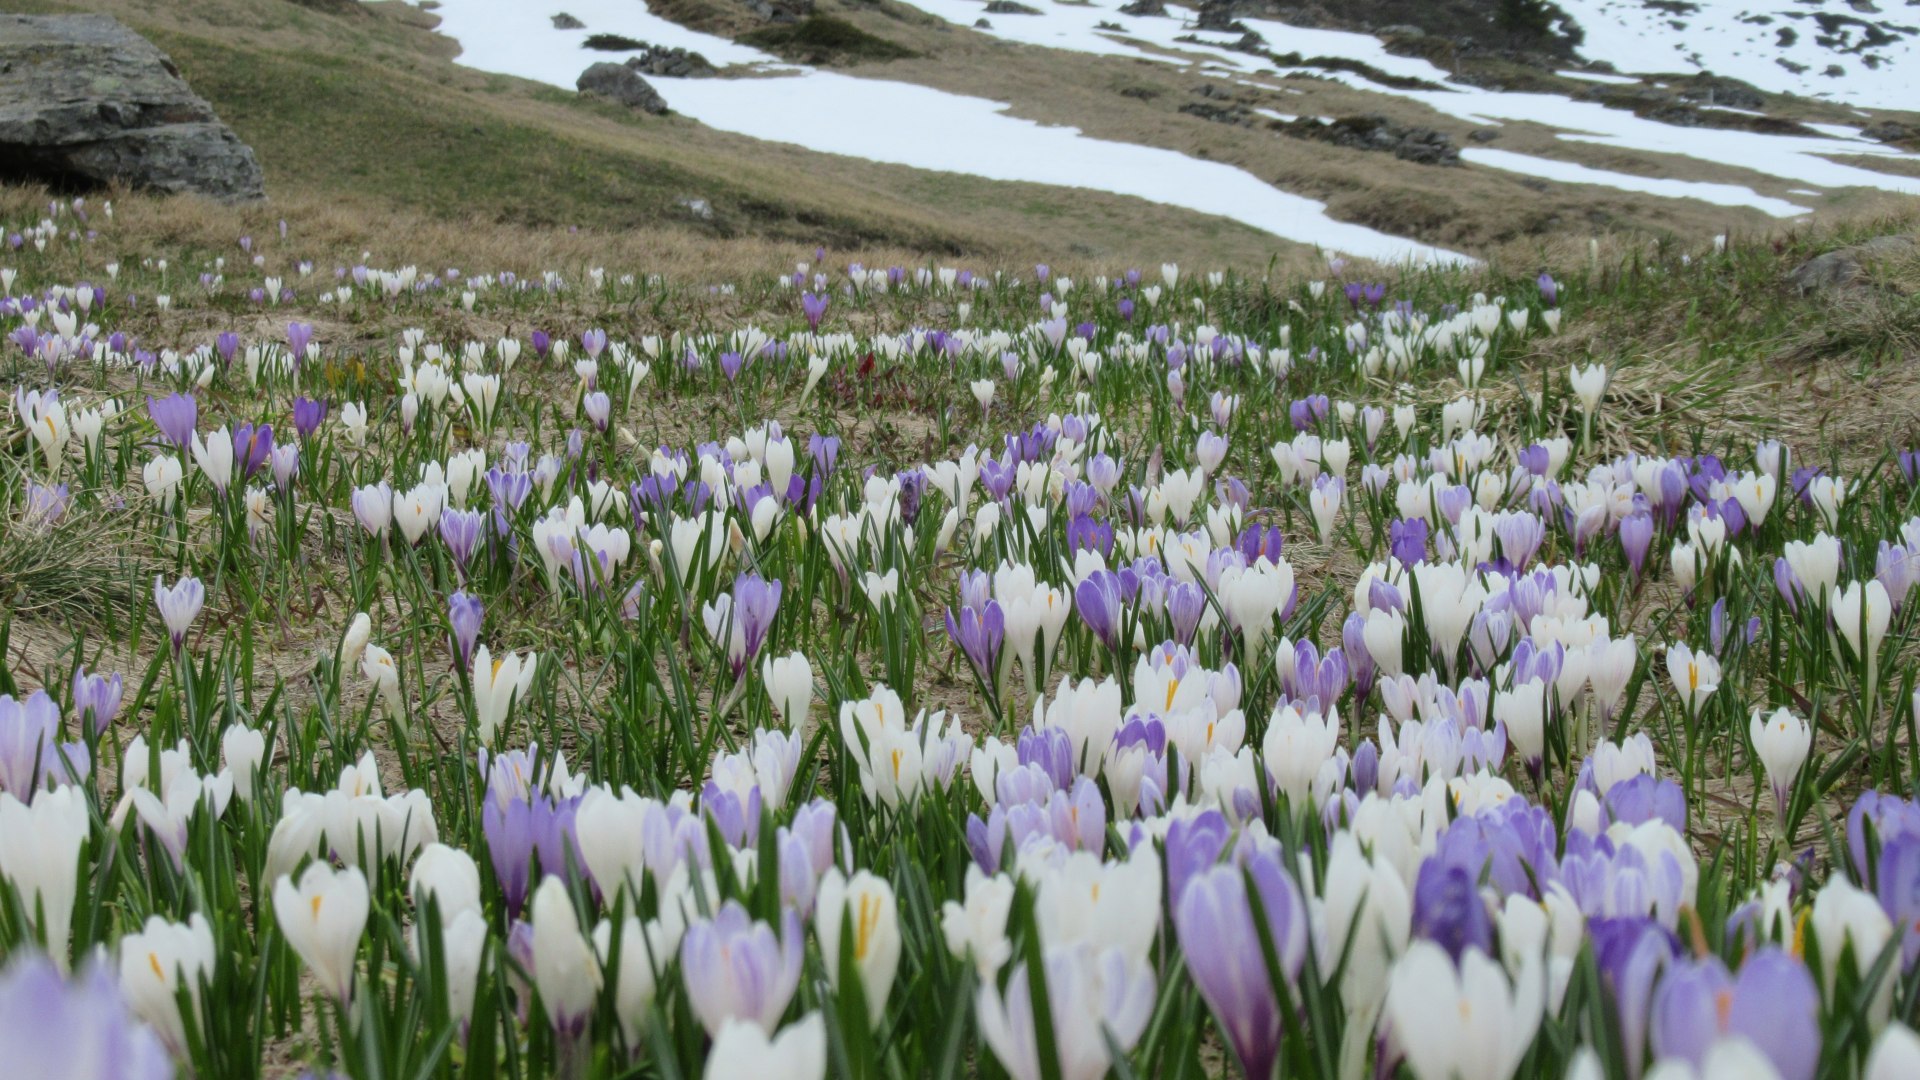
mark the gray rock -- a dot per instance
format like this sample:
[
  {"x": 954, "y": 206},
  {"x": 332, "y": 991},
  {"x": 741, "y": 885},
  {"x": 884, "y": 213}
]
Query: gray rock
[
  {"x": 564, "y": 21},
  {"x": 1422, "y": 146},
  {"x": 672, "y": 63},
  {"x": 85, "y": 102},
  {"x": 1010, "y": 7},
  {"x": 1144, "y": 7},
  {"x": 618, "y": 82},
  {"x": 1847, "y": 266}
]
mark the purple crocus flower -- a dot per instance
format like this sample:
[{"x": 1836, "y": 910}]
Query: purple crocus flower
[
  {"x": 46, "y": 505},
  {"x": 299, "y": 336},
  {"x": 1909, "y": 461},
  {"x": 815, "y": 307},
  {"x": 1888, "y": 818},
  {"x": 1549, "y": 289},
  {"x": 252, "y": 445},
  {"x": 28, "y": 750},
  {"x": 730, "y": 365},
  {"x": 1631, "y": 953},
  {"x": 1194, "y": 846},
  {"x": 594, "y": 342},
  {"x": 1257, "y": 542},
  {"x": 1448, "y": 910},
  {"x": 1644, "y": 798},
  {"x": 1097, "y": 601},
  {"x": 1897, "y": 884},
  {"x": 1407, "y": 540},
  {"x": 1215, "y": 921},
  {"x": 55, "y": 1028},
  {"x": 755, "y": 603},
  {"x": 825, "y": 452},
  {"x": 1773, "y": 1002},
  {"x": 176, "y": 416},
  {"x": 227, "y": 345},
  {"x": 738, "y": 969},
  {"x": 979, "y": 632},
  {"x": 465, "y": 613},
  {"x": 96, "y": 697},
  {"x": 1049, "y": 749},
  {"x": 1636, "y": 537},
  {"x": 460, "y": 531},
  {"x": 307, "y": 415},
  {"x": 1186, "y": 604},
  {"x": 523, "y": 825}
]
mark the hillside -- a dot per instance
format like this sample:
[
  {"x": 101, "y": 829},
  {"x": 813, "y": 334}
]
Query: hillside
[{"x": 1220, "y": 133}]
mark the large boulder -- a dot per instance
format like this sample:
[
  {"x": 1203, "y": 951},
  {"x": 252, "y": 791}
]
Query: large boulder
[
  {"x": 85, "y": 102},
  {"x": 618, "y": 82}
]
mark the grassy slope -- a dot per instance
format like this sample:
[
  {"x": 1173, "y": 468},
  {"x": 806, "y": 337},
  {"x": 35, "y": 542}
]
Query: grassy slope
[{"x": 366, "y": 107}]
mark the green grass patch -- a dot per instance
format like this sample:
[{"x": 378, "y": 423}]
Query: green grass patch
[
  {"x": 823, "y": 39},
  {"x": 613, "y": 43}
]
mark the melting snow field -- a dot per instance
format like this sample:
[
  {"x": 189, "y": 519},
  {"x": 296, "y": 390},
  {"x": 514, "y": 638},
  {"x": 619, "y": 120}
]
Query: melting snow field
[
  {"x": 1745, "y": 41},
  {"x": 1798, "y": 158},
  {"x": 898, "y": 123},
  {"x": 905, "y": 124},
  {"x": 1567, "y": 172}
]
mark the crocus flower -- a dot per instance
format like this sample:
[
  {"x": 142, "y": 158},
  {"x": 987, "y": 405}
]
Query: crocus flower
[
  {"x": 1781, "y": 742},
  {"x": 1448, "y": 910},
  {"x": 979, "y": 632},
  {"x": 565, "y": 969},
  {"x": 815, "y": 307},
  {"x": 1098, "y": 602},
  {"x": 179, "y": 606},
  {"x": 789, "y": 683},
  {"x": 159, "y": 962},
  {"x": 96, "y": 698},
  {"x": 81, "y": 1030},
  {"x": 865, "y": 904},
  {"x": 1773, "y": 1002},
  {"x": 1092, "y": 996},
  {"x": 1222, "y": 945},
  {"x": 738, "y": 969},
  {"x": 464, "y": 614},
  {"x": 308, "y": 414},
  {"x": 176, "y": 416},
  {"x": 40, "y": 858},
  {"x": 460, "y": 531},
  {"x": 740, "y": 1048},
  {"x": 1466, "y": 1019},
  {"x": 299, "y": 336}
]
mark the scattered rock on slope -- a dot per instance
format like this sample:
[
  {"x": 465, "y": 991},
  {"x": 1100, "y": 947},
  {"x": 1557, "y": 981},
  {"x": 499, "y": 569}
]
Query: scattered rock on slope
[
  {"x": 1010, "y": 7},
  {"x": 1423, "y": 146},
  {"x": 1848, "y": 266},
  {"x": 618, "y": 82},
  {"x": 85, "y": 102},
  {"x": 564, "y": 21},
  {"x": 672, "y": 63}
]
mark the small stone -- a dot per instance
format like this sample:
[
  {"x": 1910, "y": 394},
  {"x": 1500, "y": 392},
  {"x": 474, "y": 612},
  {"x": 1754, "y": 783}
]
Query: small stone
[{"x": 564, "y": 21}]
